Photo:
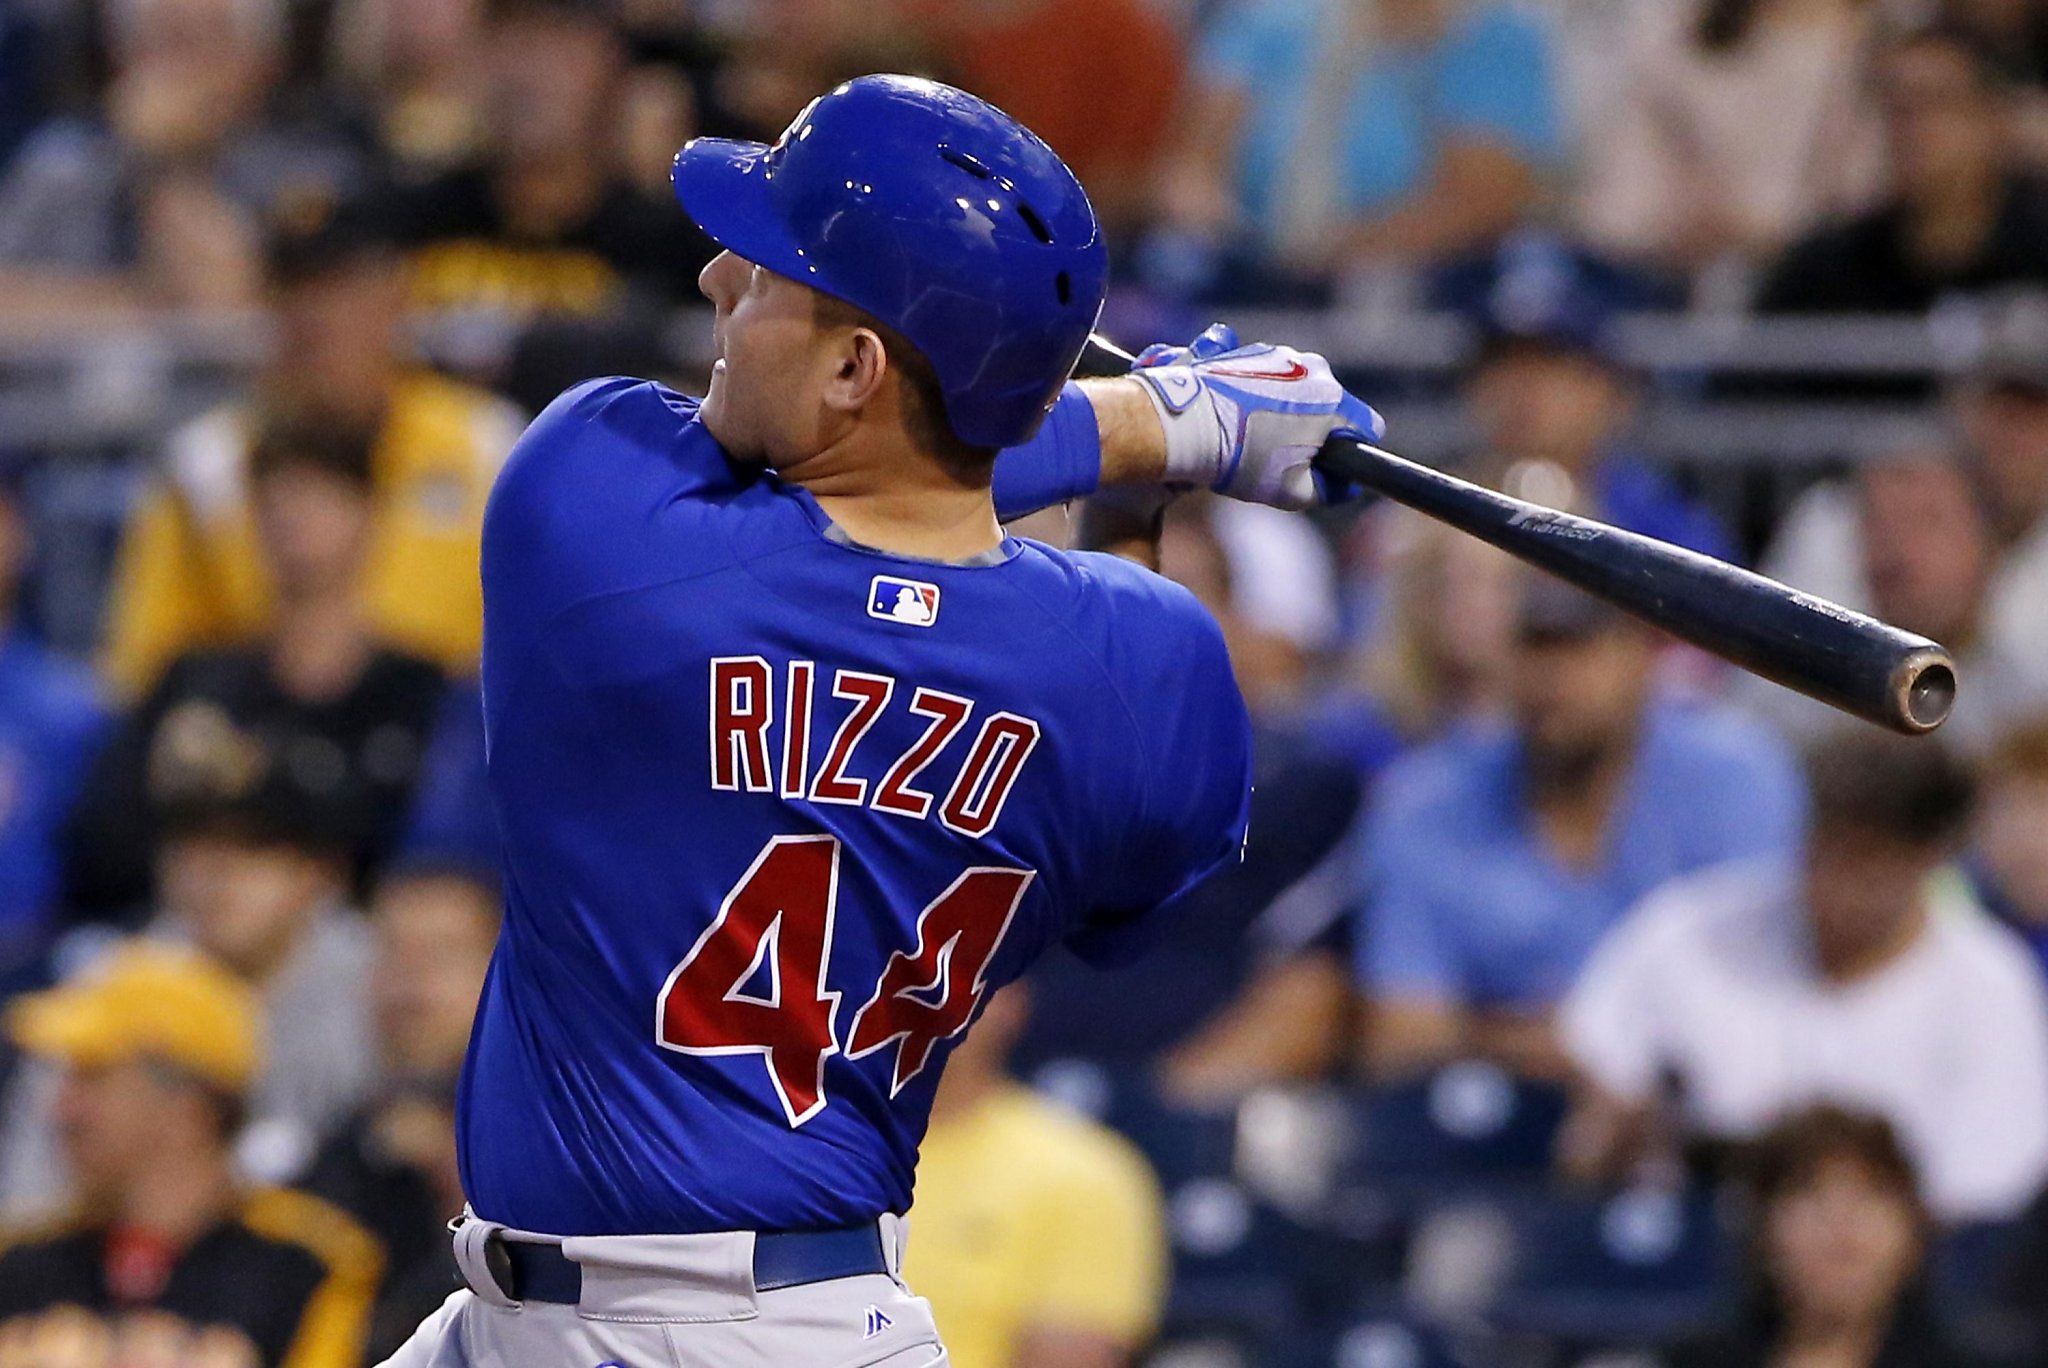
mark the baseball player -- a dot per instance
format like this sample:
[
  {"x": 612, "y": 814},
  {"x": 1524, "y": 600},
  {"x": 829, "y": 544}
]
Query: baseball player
[{"x": 797, "y": 756}]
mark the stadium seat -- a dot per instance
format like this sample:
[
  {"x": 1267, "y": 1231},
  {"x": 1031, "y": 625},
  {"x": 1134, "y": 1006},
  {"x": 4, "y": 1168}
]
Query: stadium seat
[
  {"x": 1389, "y": 1341},
  {"x": 1182, "y": 1143},
  {"x": 1470, "y": 1124},
  {"x": 1966, "y": 1263},
  {"x": 1242, "y": 1265},
  {"x": 1624, "y": 1271}
]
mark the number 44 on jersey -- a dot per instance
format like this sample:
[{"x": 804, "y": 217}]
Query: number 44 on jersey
[{"x": 754, "y": 983}]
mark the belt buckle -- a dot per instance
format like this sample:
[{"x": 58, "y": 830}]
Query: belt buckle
[
  {"x": 485, "y": 1263},
  {"x": 498, "y": 1263}
]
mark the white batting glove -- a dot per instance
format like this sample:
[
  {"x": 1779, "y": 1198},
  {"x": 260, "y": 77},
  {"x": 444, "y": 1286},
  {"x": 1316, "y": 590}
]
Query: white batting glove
[{"x": 1247, "y": 421}]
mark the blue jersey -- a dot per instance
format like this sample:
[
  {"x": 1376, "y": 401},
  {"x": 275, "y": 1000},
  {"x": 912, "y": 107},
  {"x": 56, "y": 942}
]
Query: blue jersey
[{"x": 779, "y": 811}]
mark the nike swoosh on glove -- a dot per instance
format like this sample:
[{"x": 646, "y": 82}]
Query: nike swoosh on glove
[{"x": 1247, "y": 421}]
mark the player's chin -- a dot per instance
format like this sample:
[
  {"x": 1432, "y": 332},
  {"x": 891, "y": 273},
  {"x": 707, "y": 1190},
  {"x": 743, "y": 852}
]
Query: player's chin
[{"x": 731, "y": 435}]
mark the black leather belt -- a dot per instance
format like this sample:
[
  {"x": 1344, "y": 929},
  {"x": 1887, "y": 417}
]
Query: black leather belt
[{"x": 543, "y": 1273}]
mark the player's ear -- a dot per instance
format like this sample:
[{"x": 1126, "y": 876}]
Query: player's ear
[{"x": 861, "y": 363}]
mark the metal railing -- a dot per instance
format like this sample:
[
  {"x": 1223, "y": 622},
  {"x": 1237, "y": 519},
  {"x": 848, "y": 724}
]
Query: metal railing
[
  {"x": 91, "y": 404},
  {"x": 72, "y": 388}
]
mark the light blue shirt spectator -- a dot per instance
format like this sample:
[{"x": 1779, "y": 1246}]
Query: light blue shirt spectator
[
  {"x": 1489, "y": 76},
  {"x": 1467, "y": 905}
]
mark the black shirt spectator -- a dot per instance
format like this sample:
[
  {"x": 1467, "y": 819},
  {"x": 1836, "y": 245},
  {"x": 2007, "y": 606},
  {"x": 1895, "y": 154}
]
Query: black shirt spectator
[
  {"x": 471, "y": 250},
  {"x": 364, "y": 745},
  {"x": 549, "y": 223},
  {"x": 254, "y": 1275},
  {"x": 175, "y": 1262},
  {"x": 1961, "y": 219},
  {"x": 347, "y": 716},
  {"x": 1869, "y": 265}
]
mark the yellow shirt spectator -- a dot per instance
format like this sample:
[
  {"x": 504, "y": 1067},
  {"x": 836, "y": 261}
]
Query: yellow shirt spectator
[
  {"x": 190, "y": 573},
  {"x": 1031, "y": 1220}
]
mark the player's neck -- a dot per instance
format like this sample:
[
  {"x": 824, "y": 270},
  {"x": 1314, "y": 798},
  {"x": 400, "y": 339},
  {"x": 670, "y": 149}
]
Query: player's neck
[
  {"x": 909, "y": 525},
  {"x": 901, "y": 503}
]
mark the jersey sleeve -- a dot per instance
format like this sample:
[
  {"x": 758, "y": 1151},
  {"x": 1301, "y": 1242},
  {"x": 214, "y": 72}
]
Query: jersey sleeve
[
  {"x": 577, "y": 506},
  {"x": 1061, "y": 463},
  {"x": 1190, "y": 767}
]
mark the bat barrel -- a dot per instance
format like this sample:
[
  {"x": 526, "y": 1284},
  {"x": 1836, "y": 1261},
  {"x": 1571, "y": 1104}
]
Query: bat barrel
[{"x": 1845, "y": 659}]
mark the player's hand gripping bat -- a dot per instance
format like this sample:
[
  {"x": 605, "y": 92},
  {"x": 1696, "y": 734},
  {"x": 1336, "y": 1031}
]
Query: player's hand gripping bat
[{"x": 1844, "y": 659}]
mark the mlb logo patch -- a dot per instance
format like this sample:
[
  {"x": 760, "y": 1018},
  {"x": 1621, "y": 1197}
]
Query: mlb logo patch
[{"x": 903, "y": 600}]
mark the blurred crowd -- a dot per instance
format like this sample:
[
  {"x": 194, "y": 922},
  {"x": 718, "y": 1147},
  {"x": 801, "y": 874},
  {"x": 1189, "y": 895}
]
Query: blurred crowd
[{"x": 1577, "y": 996}]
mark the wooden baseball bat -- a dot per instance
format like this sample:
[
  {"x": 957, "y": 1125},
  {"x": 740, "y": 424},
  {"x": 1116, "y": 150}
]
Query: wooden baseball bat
[{"x": 1842, "y": 658}]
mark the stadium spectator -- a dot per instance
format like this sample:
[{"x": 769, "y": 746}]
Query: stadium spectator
[
  {"x": 191, "y": 572},
  {"x": 318, "y": 688},
  {"x": 2000, "y": 403},
  {"x": 1041, "y": 1241},
  {"x": 171, "y": 1259},
  {"x": 412, "y": 65},
  {"x": 1098, "y": 79},
  {"x": 789, "y": 50},
  {"x": 1496, "y": 858},
  {"x": 548, "y": 223},
  {"x": 2009, "y": 839},
  {"x": 50, "y": 725},
  {"x": 253, "y": 868},
  {"x": 391, "y": 1166},
  {"x": 1551, "y": 398},
  {"x": 1269, "y": 580},
  {"x": 1740, "y": 126},
  {"x": 1838, "y": 1250},
  {"x": 1961, "y": 219},
  {"x": 163, "y": 201},
  {"x": 1336, "y": 133},
  {"x": 1928, "y": 563},
  {"x": 1440, "y": 643},
  {"x": 1864, "y": 974},
  {"x": 24, "y": 77},
  {"x": 1247, "y": 989},
  {"x": 2015, "y": 33}
]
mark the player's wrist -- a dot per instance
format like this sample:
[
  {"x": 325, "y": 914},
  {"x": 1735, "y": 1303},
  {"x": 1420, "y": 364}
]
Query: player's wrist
[
  {"x": 1197, "y": 441},
  {"x": 1134, "y": 439}
]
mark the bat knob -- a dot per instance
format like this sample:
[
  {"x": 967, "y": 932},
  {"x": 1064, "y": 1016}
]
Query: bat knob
[{"x": 1923, "y": 690}]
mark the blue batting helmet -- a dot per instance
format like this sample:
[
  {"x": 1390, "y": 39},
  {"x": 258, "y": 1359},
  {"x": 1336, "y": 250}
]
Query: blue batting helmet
[{"x": 936, "y": 213}]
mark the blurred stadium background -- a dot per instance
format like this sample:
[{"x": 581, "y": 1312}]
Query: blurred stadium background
[{"x": 1578, "y": 1001}]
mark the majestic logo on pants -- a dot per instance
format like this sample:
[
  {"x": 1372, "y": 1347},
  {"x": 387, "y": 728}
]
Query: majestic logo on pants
[{"x": 877, "y": 1322}]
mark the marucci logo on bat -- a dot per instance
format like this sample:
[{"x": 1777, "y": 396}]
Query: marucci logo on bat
[{"x": 1550, "y": 524}]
